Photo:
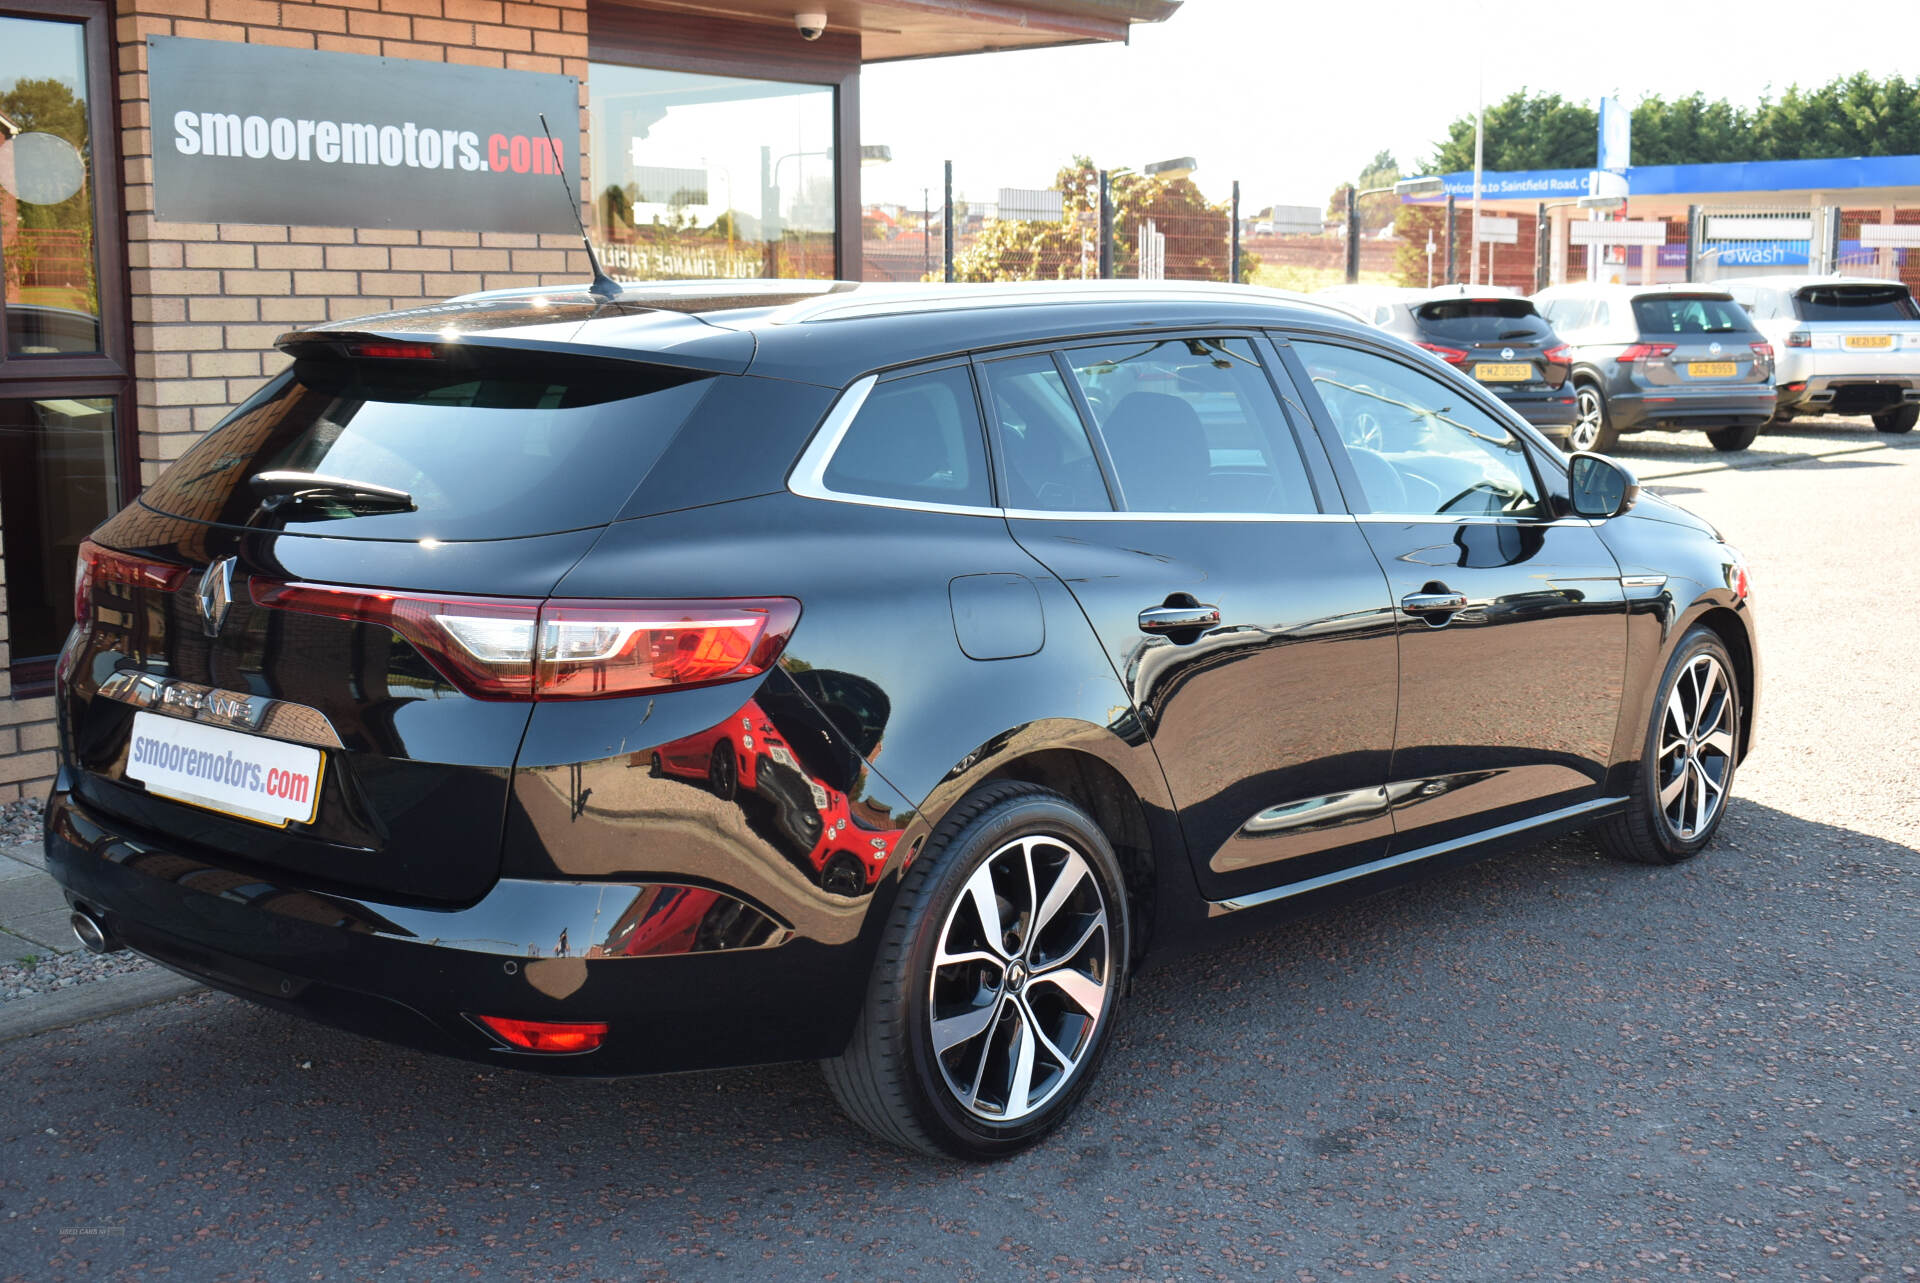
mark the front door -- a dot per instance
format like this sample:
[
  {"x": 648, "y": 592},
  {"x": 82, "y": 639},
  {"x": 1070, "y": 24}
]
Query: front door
[
  {"x": 1512, "y": 622},
  {"x": 1242, "y": 609}
]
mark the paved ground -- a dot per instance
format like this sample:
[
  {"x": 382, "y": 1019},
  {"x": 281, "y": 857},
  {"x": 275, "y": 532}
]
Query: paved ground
[{"x": 1542, "y": 1067}]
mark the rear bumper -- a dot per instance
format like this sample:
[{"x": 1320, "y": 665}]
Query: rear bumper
[
  {"x": 1848, "y": 393},
  {"x": 686, "y": 977},
  {"x": 1551, "y": 412},
  {"x": 1680, "y": 408}
]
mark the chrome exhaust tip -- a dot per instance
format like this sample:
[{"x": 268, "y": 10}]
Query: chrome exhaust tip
[{"x": 93, "y": 933}]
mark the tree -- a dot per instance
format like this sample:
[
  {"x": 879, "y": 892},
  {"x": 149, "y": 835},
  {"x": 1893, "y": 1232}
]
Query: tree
[
  {"x": 1376, "y": 212},
  {"x": 1849, "y": 116}
]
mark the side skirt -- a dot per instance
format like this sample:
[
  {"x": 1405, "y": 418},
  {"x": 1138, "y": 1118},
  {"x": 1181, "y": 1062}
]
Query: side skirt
[{"x": 1485, "y": 842}]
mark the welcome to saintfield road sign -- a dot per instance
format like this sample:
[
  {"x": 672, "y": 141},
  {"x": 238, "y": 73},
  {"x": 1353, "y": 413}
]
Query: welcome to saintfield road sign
[{"x": 259, "y": 134}]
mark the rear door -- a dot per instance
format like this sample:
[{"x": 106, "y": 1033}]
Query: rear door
[
  {"x": 225, "y": 626},
  {"x": 1512, "y": 622},
  {"x": 1240, "y": 605}
]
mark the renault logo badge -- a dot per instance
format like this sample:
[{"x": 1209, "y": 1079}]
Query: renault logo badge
[{"x": 216, "y": 594}]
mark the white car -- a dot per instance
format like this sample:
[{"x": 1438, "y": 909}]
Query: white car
[{"x": 1842, "y": 345}]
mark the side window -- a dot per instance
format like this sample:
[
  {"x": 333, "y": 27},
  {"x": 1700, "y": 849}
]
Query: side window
[
  {"x": 1420, "y": 447},
  {"x": 1050, "y": 464},
  {"x": 1192, "y": 425},
  {"x": 1602, "y": 317},
  {"x": 916, "y": 438}
]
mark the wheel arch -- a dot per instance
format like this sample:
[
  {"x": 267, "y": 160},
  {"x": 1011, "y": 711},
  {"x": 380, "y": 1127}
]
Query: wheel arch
[
  {"x": 1734, "y": 633},
  {"x": 1115, "y": 782}
]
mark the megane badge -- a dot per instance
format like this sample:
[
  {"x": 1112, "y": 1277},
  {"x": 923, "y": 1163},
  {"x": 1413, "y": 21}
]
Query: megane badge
[{"x": 216, "y": 594}]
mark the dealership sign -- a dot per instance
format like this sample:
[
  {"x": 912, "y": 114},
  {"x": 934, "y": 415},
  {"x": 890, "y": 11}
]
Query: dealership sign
[{"x": 259, "y": 134}]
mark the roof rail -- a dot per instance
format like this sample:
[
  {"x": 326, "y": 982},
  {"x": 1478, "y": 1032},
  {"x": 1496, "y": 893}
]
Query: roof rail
[{"x": 896, "y": 299}]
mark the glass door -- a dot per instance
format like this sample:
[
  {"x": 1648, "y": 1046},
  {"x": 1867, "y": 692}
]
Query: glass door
[{"x": 63, "y": 366}]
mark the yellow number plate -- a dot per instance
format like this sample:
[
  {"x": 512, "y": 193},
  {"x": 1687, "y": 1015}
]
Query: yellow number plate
[
  {"x": 1869, "y": 340},
  {"x": 1496, "y": 373},
  {"x": 1711, "y": 369}
]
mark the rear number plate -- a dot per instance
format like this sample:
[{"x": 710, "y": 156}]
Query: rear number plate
[
  {"x": 256, "y": 778},
  {"x": 1493, "y": 372},
  {"x": 1712, "y": 369},
  {"x": 1869, "y": 340}
]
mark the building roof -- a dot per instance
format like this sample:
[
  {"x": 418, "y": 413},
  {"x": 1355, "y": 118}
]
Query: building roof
[{"x": 889, "y": 30}]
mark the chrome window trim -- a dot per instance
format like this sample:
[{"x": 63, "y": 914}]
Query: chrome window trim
[
  {"x": 1472, "y": 519},
  {"x": 808, "y": 481}
]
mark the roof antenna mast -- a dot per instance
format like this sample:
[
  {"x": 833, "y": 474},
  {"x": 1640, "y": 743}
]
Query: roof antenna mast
[{"x": 603, "y": 286}]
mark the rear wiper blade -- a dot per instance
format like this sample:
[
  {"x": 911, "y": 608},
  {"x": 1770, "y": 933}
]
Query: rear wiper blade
[{"x": 286, "y": 489}]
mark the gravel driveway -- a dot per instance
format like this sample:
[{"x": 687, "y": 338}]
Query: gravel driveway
[{"x": 1544, "y": 1066}]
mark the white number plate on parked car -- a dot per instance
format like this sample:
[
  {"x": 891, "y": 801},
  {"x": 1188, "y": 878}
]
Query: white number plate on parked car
[{"x": 246, "y": 775}]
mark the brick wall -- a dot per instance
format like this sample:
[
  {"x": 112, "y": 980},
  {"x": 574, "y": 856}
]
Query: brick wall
[{"x": 209, "y": 299}]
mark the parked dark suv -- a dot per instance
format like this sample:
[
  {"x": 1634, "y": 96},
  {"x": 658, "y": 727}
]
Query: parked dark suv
[
  {"x": 875, "y": 676},
  {"x": 1497, "y": 339},
  {"x": 1670, "y": 357}
]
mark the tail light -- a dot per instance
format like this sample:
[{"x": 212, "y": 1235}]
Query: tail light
[
  {"x": 1763, "y": 351},
  {"x": 1644, "y": 352},
  {"x": 395, "y": 351},
  {"x": 1800, "y": 338},
  {"x": 1451, "y": 355},
  {"x": 1562, "y": 355},
  {"x": 547, "y": 1035},
  {"x": 96, "y": 565},
  {"x": 517, "y": 649}
]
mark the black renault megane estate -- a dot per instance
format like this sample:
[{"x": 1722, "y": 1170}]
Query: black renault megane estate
[{"x": 719, "y": 675}]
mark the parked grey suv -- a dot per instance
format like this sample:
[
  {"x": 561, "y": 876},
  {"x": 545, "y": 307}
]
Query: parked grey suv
[{"x": 1667, "y": 357}]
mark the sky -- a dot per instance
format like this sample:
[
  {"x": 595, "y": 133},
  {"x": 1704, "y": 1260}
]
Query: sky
[{"x": 1293, "y": 97}]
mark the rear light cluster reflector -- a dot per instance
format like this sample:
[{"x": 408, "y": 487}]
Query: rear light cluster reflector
[
  {"x": 546, "y": 1035},
  {"x": 1451, "y": 355},
  {"x": 1644, "y": 352},
  {"x": 1800, "y": 338},
  {"x": 96, "y": 565},
  {"x": 518, "y": 649}
]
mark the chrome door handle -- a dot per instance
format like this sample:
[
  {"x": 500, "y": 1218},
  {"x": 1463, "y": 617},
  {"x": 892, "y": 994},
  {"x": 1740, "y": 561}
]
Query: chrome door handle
[
  {"x": 1433, "y": 603},
  {"x": 1174, "y": 619}
]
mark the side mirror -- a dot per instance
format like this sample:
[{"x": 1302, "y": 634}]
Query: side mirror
[{"x": 1598, "y": 486}]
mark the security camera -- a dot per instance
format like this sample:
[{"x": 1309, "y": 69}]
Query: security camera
[{"x": 812, "y": 25}]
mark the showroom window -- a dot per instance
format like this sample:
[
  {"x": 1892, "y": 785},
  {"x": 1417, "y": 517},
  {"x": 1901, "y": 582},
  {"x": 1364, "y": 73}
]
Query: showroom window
[
  {"x": 700, "y": 176},
  {"x": 63, "y": 460}
]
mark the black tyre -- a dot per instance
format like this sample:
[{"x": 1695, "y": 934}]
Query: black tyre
[
  {"x": 1592, "y": 426},
  {"x": 1901, "y": 419},
  {"x": 1727, "y": 440},
  {"x": 997, "y": 983},
  {"x": 655, "y": 767},
  {"x": 1687, "y": 760},
  {"x": 723, "y": 772}
]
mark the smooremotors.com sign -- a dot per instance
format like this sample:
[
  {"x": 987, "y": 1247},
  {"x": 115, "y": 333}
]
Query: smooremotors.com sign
[{"x": 258, "y": 134}]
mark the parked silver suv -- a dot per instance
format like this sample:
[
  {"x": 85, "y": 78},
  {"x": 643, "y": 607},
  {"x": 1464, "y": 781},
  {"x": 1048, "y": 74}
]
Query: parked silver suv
[
  {"x": 1846, "y": 345},
  {"x": 1661, "y": 356}
]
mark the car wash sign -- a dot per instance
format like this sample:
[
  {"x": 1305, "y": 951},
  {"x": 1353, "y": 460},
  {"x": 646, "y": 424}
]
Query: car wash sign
[{"x": 258, "y": 134}]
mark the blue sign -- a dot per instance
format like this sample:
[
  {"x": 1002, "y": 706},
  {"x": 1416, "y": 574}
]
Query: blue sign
[{"x": 1616, "y": 135}]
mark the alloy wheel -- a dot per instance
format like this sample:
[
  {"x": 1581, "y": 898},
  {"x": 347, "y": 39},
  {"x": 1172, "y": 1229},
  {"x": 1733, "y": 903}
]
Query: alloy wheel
[
  {"x": 1696, "y": 748},
  {"x": 1020, "y": 978},
  {"x": 1585, "y": 433}
]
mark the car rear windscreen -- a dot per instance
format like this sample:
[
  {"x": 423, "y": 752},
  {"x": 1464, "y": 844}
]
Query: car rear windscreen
[
  {"x": 1483, "y": 320},
  {"x": 481, "y": 445},
  {"x": 1855, "y": 303},
  {"x": 1682, "y": 314}
]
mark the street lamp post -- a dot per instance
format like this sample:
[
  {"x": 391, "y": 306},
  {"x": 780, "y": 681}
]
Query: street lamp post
[
  {"x": 1427, "y": 186},
  {"x": 1542, "y": 272}
]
